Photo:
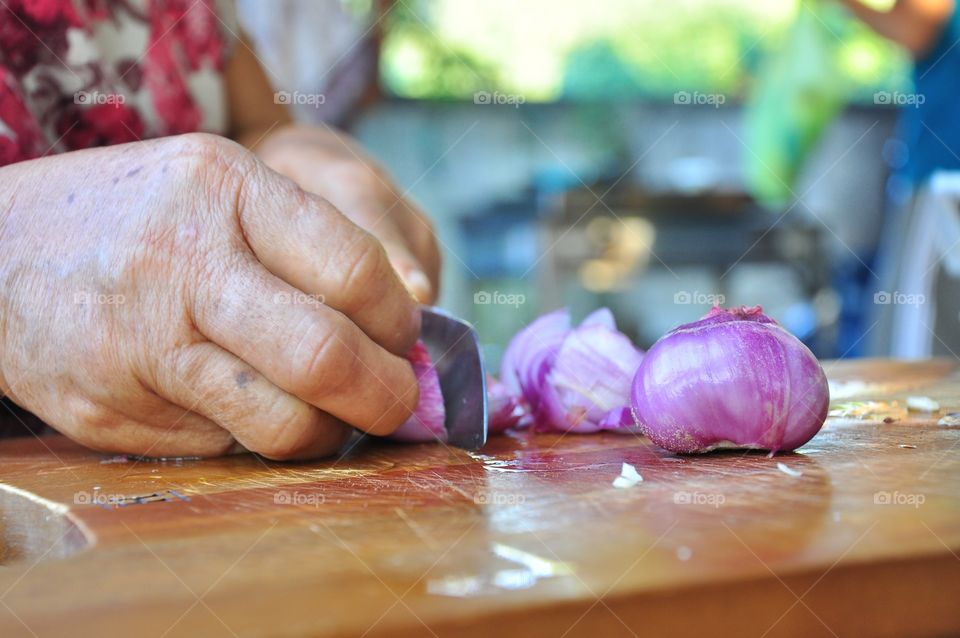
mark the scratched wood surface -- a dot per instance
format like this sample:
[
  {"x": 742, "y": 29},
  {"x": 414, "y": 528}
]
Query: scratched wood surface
[{"x": 527, "y": 538}]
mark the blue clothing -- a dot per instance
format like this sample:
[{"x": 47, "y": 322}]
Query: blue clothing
[{"x": 931, "y": 129}]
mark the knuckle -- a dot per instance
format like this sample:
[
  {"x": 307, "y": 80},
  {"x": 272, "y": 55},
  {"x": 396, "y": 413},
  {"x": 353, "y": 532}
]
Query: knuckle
[
  {"x": 90, "y": 418},
  {"x": 212, "y": 275},
  {"x": 289, "y": 437},
  {"x": 216, "y": 168},
  {"x": 215, "y": 443},
  {"x": 203, "y": 146},
  {"x": 326, "y": 361},
  {"x": 367, "y": 269}
]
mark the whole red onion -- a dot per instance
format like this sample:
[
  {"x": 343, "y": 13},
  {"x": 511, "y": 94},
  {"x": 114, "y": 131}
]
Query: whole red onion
[{"x": 736, "y": 378}]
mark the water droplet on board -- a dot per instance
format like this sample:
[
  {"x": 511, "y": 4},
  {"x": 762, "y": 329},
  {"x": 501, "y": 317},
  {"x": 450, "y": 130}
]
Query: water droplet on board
[{"x": 950, "y": 420}]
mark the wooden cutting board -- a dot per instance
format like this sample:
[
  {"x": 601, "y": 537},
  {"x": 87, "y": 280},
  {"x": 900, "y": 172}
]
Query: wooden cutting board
[{"x": 856, "y": 535}]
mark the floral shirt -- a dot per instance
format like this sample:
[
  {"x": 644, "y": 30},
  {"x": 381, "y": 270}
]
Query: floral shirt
[{"x": 81, "y": 73}]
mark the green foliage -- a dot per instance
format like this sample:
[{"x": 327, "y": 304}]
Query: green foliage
[{"x": 622, "y": 49}]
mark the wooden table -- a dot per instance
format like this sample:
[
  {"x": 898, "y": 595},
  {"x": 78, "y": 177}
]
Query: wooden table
[{"x": 528, "y": 538}]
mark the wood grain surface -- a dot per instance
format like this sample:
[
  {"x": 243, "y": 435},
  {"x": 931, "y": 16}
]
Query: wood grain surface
[{"x": 857, "y": 534}]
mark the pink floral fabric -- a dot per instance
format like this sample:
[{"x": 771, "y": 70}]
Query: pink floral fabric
[{"x": 81, "y": 73}]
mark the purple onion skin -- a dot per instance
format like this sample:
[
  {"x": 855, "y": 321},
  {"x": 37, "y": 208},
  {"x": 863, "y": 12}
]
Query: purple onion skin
[{"x": 736, "y": 378}]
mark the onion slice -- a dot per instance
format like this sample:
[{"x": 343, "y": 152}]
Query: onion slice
[
  {"x": 427, "y": 421},
  {"x": 504, "y": 409},
  {"x": 573, "y": 379}
]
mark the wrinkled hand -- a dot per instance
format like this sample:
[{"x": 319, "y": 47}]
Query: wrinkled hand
[
  {"x": 330, "y": 164},
  {"x": 175, "y": 296}
]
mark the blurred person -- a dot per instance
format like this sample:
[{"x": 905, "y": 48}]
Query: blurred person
[
  {"x": 326, "y": 80},
  {"x": 184, "y": 270},
  {"x": 929, "y": 31},
  {"x": 927, "y": 140}
]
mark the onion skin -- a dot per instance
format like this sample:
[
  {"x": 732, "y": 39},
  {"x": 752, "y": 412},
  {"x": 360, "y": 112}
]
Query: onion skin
[
  {"x": 427, "y": 423},
  {"x": 736, "y": 378}
]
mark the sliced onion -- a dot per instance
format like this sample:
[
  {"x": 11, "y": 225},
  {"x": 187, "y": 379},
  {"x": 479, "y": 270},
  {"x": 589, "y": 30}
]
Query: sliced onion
[
  {"x": 590, "y": 378},
  {"x": 504, "y": 408},
  {"x": 572, "y": 380},
  {"x": 619, "y": 419},
  {"x": 735, "y": 378},
  {"x": 427, "y": 421},
  {"x": 530, "y": 354}
]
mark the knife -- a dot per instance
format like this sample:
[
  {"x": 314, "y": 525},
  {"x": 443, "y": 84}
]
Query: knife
[{"x": 455, "y": 350}]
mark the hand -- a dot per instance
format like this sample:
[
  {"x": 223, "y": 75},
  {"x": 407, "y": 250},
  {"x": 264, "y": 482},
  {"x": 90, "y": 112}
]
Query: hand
[
  {"x": 174, "y": 296},
  {"x": 330, "y": 164}
]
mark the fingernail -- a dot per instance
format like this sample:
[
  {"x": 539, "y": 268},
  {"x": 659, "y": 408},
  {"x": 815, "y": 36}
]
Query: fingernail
[{"x": 418, "y": 285}]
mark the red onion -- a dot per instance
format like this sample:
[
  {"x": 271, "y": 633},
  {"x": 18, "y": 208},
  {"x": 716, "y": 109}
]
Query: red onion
[
  {"x": 573, "y": 380},
  {"x": 735, "y": 378},
  {"x": 530, "y": 355},
  {"x": 427, "y": 421}
]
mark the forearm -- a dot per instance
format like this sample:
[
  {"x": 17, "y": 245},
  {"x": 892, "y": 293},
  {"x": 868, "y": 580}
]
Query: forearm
[{"x": 913, "y": 24}]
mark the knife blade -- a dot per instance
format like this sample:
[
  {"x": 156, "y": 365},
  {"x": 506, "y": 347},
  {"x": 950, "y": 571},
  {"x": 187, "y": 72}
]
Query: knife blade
[{"x": 455, "y": 350}]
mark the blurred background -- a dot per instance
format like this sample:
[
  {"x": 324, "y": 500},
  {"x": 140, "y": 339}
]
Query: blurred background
[{"x": 653, "y": 157}]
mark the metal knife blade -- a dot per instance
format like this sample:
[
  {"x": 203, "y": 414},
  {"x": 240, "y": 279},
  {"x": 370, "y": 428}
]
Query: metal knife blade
[{"x": 455, "y": 349}]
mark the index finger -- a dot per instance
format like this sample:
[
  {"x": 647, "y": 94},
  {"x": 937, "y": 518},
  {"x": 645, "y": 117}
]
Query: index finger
[{"x": 302, "y": 239}]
